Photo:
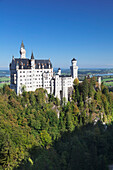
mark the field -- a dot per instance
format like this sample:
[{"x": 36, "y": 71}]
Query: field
[
  {"x": 108, "y": 81},
  {"x": 4, "y": 80},
  {"x": 109, "y": 84}
]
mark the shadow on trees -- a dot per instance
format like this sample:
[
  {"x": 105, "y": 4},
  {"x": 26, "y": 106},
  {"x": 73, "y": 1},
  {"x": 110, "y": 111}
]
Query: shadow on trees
[{"x": 89, "y": 147}]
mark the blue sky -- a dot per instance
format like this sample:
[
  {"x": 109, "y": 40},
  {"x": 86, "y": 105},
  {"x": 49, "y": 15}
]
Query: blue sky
[{"x": 59, "y": 30}]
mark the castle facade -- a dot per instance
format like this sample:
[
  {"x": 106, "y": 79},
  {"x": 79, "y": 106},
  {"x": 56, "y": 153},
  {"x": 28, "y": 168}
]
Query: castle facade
[{"x": 30, "y": 74}]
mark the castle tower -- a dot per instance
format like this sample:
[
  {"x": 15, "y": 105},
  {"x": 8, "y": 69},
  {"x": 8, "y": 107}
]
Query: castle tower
[
  {"x": 74, "y": 68},
  {"x": 22, "y": 51}
]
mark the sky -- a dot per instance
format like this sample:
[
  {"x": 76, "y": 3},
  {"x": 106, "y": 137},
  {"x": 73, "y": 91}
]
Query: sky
[{"x": 59, "y": 30}]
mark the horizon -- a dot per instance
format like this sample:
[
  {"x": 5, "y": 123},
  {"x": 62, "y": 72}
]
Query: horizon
[{"x": 69, "y": 69}]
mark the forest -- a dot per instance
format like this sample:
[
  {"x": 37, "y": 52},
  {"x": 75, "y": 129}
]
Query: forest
[{"x": 38, "y": 132}]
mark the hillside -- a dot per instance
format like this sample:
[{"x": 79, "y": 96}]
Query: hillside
[{"x": 33, "y": 137}]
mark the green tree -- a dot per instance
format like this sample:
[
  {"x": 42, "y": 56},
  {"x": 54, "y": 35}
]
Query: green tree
[
  {"x": 46, "y": 140},
  {"x": 85, "y": 89},
  {"x": 90, "y": 87}
]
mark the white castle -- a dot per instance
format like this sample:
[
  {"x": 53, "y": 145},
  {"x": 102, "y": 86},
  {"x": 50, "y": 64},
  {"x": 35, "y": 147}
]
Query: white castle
[{"x": 32, "y": 74}]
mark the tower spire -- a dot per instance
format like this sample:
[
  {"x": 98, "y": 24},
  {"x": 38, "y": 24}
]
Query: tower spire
[
  {"x": 22, "y": 51},
  {"x": 32, "y": 56},
  {"x": 32, "y": 61},
  {"x": 22, "y": 45}
]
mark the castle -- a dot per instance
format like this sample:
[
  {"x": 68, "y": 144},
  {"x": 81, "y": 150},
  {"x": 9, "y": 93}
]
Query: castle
[{"x": 31, "y": 74}]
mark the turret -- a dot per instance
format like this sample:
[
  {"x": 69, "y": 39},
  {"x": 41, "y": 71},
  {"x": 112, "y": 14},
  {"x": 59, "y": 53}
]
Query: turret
[
  {"x": 59, "y": 71},
  {"x": 74, "y": 68},
  {"x": 32, "y": 56},
  {"x": 13, "y": 58},
  {"x": 12, "y": 64},
  {"x": 32, "y": 61},
  {"x": 22, "y": 51}
]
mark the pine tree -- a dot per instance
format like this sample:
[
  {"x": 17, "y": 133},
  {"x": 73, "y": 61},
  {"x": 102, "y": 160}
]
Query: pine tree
[
  {"x": 85, "y": 89},
  {"x": 90, "y": 92}
]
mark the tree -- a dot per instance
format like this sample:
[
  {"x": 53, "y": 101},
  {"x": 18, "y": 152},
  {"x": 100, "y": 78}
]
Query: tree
[
  {"x": 85, "y": 89},
  {"x": 32, "y": 98},
  {"x": 91, "y": 91},
  {"x": 81, "y": 103},
  {"x": 105, "y": 104},
  {"x": 46, "y": 140},
  {"x": 76, "y": 82},
  {"x": 69, "y": 123},
  {"x": 7, "y": 153},
  {"x": 76, "y": 90}
]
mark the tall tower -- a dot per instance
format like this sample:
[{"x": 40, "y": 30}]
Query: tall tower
[
  {"x": 22, "y": 51},
  {"x": 74, "y": 68}
]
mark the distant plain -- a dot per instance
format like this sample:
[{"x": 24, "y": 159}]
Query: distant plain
[{"x": 105, "y": 73}]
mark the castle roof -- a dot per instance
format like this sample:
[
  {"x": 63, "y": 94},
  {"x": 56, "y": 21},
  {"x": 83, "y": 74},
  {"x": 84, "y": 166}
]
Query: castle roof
[
  {"x": 27, "y": 63},
  {"x": 74, "y": 59},
  {"x": 46, "y": 63}
]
